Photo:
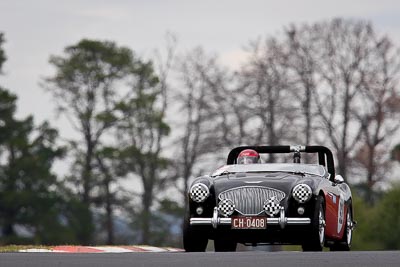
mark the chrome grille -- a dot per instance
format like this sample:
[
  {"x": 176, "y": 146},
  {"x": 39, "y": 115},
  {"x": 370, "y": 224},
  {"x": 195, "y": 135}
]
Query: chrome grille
[{"x": 249, "y": 200}]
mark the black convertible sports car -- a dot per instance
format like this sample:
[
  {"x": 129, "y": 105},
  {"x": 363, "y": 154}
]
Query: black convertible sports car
[{"x": 271, "y": 203}]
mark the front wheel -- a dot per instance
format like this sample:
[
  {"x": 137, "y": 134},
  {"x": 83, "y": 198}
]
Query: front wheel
[
  {"x": 317, "y": 236},
  {"x": 345, "y": 243},
  {"x": 194, "y": 238}
]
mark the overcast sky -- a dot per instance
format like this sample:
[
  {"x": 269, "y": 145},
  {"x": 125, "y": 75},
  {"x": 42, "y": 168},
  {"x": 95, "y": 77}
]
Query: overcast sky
[{"x": 36, "y": 29}]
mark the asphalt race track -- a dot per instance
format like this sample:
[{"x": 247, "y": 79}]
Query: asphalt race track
[{"x": 208, "y": 259}]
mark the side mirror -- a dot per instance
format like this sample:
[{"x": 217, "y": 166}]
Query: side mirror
[{"x": 339, "y": 179}]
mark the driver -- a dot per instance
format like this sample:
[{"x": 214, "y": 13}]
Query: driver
[{"x": 248, "y": 156}]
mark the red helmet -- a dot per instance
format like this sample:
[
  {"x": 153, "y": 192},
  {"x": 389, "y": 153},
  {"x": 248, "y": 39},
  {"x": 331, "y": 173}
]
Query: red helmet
[{"x": 248, "y": 156}]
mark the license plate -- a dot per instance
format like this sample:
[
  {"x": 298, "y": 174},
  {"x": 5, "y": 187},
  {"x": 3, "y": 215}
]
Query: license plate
[{"x": 249, "y": 222}]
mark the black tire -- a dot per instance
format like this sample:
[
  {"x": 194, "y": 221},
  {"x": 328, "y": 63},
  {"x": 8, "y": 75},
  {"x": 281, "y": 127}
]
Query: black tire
[
  {"x": 194, "y": 237},
  {"x": 345, "y": 243},
  {"x": 222, "y": 244},
  {"x": 317, "y": 234}
]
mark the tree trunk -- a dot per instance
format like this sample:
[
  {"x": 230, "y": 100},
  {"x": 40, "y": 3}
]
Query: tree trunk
[
  {"x": 86, "y": 238},
  {"x": 109, "y": 214},
  {"x": 9, "y": 213},
  {"x": 87, "y": 171},
  {"x": 271, "y": 124},
  {"x": 108, "y": 201},
  {"x": 343, "y": 160},
  {"x": 185, "y": 186},
  {"x": 146, "y": 218},
  {"x": 307, "y": 114}
]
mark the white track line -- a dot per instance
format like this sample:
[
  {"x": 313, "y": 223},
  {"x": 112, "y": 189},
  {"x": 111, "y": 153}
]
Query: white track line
[
  {"x": 152, "y": 249},
  {"x": 109, "y": 249},
  {"x": 35, "y": 250}
]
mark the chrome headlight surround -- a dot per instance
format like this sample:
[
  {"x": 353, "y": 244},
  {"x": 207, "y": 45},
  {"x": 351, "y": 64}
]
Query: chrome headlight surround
[
  {"x": 199, "y": 192},
  {"x": 302, "y": 193},
  {"x": 226, "y": 207}
]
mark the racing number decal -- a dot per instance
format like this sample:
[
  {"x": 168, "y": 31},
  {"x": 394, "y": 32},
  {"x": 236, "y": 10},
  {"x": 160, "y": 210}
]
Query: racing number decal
[{"x": 340, "y": 213}]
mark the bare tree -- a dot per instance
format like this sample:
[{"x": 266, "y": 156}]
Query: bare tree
[
  {"x": 379, "y": 110},
  {"x": 344, "y": 47},
  {"x": 327, "y": 82},
  {"x": 350, "y": 73},
  {"x": 301, "y": 65},
  {"x": 201, "y": 82},
  {"x": 265, "y": 86}
]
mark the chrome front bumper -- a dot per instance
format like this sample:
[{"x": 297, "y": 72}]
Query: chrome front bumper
[{"x": 282, "y": 221}]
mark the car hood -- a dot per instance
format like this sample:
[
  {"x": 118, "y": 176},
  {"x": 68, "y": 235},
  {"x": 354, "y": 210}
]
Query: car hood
[{"x": 280, "y": 181}]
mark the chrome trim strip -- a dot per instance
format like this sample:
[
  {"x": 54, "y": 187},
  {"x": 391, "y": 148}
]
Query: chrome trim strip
[
  {"x": 270, "y": 221},
  {"x": 282, "y": 219},
  {"x": 214, "y": 219}
]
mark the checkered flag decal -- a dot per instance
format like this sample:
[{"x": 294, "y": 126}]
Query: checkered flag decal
[
  {"x": 272, "y": 206},
  {"x": 226, "y": 207},
  {"x": 302, "y": 193},
  {"x": 199, "y": 192}
]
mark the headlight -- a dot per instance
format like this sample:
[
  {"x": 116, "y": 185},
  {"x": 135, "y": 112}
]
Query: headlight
[
  {"x": 272, "y": 206},
  {"x": 226, "y": 207},
  {"x": 199, "y": 192},
  {"x": 302, "y": 193}
]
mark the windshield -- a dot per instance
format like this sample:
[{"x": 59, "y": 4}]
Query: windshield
[{"x": 312, "y": 169}]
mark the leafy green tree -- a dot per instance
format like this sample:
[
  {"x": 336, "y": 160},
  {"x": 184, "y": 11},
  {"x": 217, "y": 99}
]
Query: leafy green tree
[
  {"x": 90, "y": 89},
  {"x": 29, "y": 191},
  {"x": 83, "y": 87},
  {"x": 85, "y": 91},
  {"x": 31, "y": 198},
  {"x": 386, "y": 227},
  {"x": 366, "y": 217}
]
